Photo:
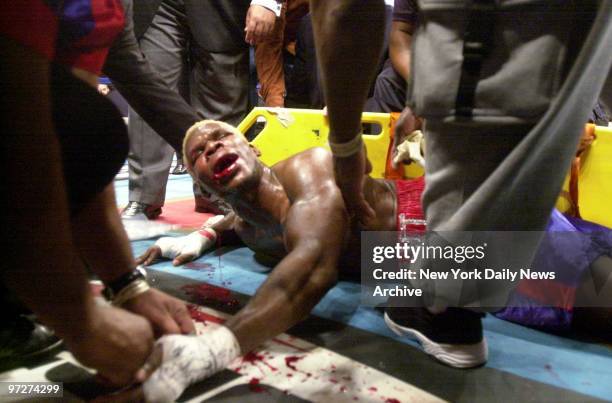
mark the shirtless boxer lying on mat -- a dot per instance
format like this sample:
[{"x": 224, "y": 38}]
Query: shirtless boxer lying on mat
[{"x": 292, "y": 211}]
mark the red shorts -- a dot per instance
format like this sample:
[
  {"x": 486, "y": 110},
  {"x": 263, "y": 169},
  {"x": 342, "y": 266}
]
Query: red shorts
[{"x": 410, "y": 216}]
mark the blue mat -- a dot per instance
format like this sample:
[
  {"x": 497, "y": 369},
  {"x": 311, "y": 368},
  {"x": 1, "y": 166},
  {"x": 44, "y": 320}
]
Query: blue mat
[{"x": 561, "y": 362}]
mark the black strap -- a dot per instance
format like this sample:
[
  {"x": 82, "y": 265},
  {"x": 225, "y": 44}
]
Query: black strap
[
  {"x": 114, "y": 287},
  {"x": 477, "y": 44}
]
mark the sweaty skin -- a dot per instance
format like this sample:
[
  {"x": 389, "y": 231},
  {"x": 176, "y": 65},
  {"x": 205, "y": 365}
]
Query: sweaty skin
[{"x": 292, "y": 211}]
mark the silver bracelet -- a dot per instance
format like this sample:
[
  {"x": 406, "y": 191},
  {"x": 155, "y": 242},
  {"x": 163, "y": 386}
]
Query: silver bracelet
[{"x": 347, "y": 148}]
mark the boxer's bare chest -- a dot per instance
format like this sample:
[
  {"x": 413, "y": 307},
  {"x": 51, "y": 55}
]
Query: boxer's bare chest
[{"x": 266, "y": 239}]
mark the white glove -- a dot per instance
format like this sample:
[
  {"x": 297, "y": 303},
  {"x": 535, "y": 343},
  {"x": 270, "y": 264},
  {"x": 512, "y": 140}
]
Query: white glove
[
  {"x": 411, "y": 149},
  {"x": 192, "y": 245},
  {"x": 184, "y": 360}
]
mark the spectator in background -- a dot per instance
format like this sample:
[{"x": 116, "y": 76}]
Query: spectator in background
[
  {"x": 269, "y": 54},
  {"x": 304, "y": 87},
  {"x": 200, "y": 49},
  {"x": 147, "y": 93},
  {"x": 390, "y": 87}
]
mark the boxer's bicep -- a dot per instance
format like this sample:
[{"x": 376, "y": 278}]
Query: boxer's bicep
[{"x": 313, "y": 238}]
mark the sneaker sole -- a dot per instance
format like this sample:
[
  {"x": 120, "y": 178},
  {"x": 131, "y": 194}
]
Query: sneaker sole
[
  {"x": 34, "y": 354},
  {"x": 55, "y": 346},
  {"x": 454, "y": 355}
]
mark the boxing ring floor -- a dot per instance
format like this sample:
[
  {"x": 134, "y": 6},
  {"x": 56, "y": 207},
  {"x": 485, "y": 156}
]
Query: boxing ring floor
[{"x": 343, "y": 352}]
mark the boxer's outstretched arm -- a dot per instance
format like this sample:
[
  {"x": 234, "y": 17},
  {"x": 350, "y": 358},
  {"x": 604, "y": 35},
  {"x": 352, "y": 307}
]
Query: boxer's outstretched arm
[{"x": 314, "y": 231}]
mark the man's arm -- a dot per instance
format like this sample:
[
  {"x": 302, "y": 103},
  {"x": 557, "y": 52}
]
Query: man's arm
[
  {"x": 100, "y": 237},
  {"x": 44, "y": 269},
  {"x": 348, "y": 39},
  {"x": 144, "y": 89},
  {"x": 400, "y": 43},
  {"x": 314, "y": 231}
]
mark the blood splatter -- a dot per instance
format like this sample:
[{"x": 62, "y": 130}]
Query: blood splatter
[
  {"x": 550, "y": 369},
  {"x": 253, "y": 358},
  {"x": 254, "y": 386},
  {"x": 207, "y": 293},
  {"x": 291, "y": 360},
  {"x": 199, "y": 266},
  {"x": 391, "y": 400},
  {"x": 202, "y": 317},
  {"x": 373, "y": 389},
  {"x": 333, "y": 380}
]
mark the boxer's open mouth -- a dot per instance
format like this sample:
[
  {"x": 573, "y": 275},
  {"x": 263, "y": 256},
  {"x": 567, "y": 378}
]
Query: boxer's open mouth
[{"x": 225, "y": 166}]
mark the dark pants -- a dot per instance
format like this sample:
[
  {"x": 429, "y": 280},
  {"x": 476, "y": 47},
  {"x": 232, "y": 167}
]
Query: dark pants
[
  {"x": 389, "y": 92},
  {"x": 214, "y": 83}
]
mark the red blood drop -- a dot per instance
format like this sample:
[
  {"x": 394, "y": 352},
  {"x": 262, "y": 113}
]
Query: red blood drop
[
  {"x": 199, "y": 266},
  {"x": 207, "y": 293},
  {"x": 392, "y": 400},
  {"x": 255, "y": 387},
  {"x": 291, "y": 360},
  {"x": 372, "y": 389},
  {"x": 202, "y": 317},
  {"x": 252, "y": 357}
]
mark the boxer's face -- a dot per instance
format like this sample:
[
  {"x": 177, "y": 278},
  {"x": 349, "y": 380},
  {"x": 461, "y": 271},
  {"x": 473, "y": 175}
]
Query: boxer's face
[{"x": 221, "y": 159}]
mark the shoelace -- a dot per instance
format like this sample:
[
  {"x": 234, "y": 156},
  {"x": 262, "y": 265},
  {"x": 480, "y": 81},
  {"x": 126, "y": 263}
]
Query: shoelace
[{"x": 134, "y": 208}]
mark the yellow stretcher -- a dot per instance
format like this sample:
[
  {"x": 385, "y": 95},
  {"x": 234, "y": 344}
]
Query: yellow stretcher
[
  {"x": 594, "y": 180},
  {"x": 289, "y": 131}
]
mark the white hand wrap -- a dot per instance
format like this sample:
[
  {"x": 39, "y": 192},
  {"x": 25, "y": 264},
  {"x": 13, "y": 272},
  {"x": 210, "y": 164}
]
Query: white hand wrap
[
  {"x": 411, "y": 149},
  {"x": 193, "y": 244},
  {"x": 187, "y": 360}
]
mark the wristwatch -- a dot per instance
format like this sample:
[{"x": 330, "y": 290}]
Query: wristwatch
[{"x": 114, "y": 287}]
